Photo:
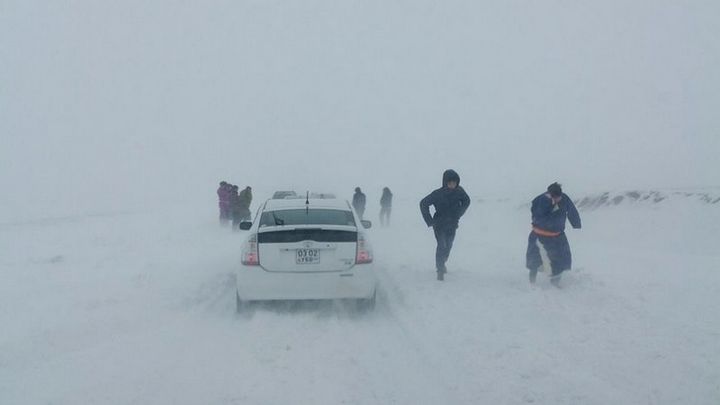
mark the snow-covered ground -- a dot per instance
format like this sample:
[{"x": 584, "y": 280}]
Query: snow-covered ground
[
  {"x": 138, "y": 308},
  {"x": 110, "y": 109}
]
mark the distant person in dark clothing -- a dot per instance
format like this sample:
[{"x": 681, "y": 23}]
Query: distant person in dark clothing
[
  {"x": 223, "y": 193},
  {"x": 450, "y": 202},
  {"x": 548, "y": 246},
  {"x": 235, "y": 207},
  {"x": 385, "y": 207},
  {"x": 358, "y": 202},
  {"x": 245, "y": 199}
]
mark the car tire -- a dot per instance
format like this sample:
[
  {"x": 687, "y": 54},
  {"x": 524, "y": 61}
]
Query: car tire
[
  {"x": 367, "y": 304},
  {"x": 240, "y": 305}
]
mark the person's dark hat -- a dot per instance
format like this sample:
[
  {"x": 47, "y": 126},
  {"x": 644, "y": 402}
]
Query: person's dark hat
[
  {"x": 357, "y": 189},
  {"x": 555, "y": 189}
]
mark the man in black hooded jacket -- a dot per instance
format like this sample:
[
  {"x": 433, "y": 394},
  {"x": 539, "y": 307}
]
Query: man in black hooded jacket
[
  {"x": 450, "y": 202},
  {"x": 358, "y": 202}
]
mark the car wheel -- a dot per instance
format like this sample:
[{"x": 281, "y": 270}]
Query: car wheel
[
  {"x": 240, "y": 305},
  {"x": 367, "y": 304}
]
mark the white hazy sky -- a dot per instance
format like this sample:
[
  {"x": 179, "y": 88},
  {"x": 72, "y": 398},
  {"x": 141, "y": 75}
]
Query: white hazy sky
[{"x": 108, "y": 103}]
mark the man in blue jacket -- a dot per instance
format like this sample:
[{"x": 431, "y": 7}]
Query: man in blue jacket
[
  {"x": 547, "y": 244},
  {"x": 450, "y": 202}
]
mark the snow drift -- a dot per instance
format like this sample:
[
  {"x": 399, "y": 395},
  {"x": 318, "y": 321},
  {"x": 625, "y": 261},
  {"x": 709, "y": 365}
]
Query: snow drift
[{"x": 139, "y": 308}]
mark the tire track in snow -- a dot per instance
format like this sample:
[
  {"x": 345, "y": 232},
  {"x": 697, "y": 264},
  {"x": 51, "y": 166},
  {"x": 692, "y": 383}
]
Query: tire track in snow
[{"x": 434, "y": 367}]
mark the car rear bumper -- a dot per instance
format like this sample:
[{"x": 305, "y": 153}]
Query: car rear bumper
[{"x": 256, "y": 284}]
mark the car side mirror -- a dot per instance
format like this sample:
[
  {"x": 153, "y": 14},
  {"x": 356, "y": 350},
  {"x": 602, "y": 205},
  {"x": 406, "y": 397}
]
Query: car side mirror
[
  {"x": 366, "y": 224},
  {"x": 245, "y": 225}
]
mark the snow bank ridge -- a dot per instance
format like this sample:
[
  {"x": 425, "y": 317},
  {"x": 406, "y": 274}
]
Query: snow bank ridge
[{"x": 608, "y": 199}]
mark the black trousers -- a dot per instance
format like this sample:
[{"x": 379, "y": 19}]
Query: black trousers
[
  {"x": 385, "y": 216},
  {"x": 445, "y": 238},
  {"x": 238, "y": 215}
]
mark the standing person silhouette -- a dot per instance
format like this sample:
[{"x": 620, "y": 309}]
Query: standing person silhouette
[
  {"x": 547, "y": 244},
  {"x": 358, "y": 202},
  {"x": 385, "y": 207},
  {"x": 450, "y": 202}
]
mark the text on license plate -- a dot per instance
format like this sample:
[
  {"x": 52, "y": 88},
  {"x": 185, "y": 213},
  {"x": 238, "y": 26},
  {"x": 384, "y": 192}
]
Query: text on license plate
[{"x": 307, "y": 256}]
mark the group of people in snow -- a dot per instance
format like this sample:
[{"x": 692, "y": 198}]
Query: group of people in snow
[
  {"x": 234, "y": 204},
  {"x": 359, "y": 200},
  {"x": 548, "y": 247}
]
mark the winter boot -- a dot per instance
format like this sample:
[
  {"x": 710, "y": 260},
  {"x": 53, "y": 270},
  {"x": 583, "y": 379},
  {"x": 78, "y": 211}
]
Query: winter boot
[
  {"x": 533, "y": 276},
  {"x": 555, "y": 281},
  {"x": 440, "y": 276}
]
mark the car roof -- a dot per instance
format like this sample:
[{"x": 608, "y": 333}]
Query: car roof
[
  {"x": 294, "y": 203},
  {"x": 285, "y": 193}
]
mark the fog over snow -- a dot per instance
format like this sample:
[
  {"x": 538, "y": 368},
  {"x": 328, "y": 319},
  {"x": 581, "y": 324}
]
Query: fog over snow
[
  {"x": 108, "y": 104},
  {"x": 119, "y": 118}
]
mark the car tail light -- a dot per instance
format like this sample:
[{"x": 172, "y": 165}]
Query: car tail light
[
  {"x": 250, "y": 255},
  {"x": 364, "y": 252}
]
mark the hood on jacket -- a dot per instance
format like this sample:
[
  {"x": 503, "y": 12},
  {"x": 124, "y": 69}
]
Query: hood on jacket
[{"x": 450, "y": 175}]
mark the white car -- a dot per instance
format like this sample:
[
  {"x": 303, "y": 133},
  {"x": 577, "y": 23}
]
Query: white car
[{"x": 306, "y": 249}]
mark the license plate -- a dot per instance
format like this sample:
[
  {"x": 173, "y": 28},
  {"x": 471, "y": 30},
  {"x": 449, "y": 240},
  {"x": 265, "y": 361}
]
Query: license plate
[{"x": 307, "y": 256}]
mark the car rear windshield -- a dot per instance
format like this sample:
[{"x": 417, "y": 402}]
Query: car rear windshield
[
  {"x": 307, "y": 217},
  {"x": 299, "y": 235}
]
